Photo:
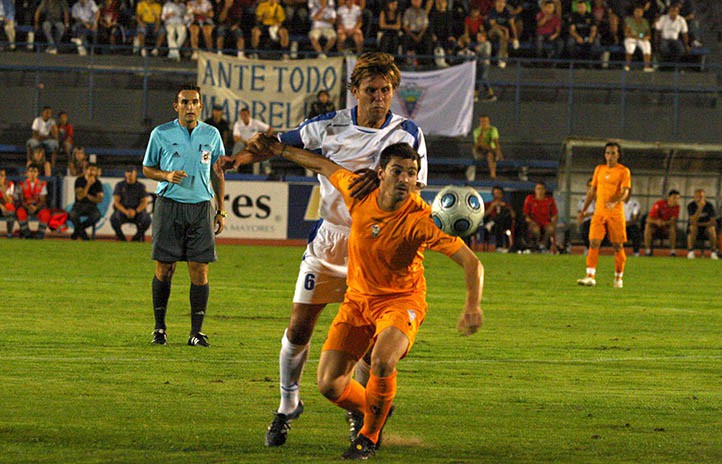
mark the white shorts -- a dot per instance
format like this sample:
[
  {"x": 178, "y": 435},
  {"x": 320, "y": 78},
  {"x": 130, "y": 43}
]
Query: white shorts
[
  {"x": 322, "y": 274},
  {"x": 327, "y": 33},
  {"x": 631, "y": 44}
]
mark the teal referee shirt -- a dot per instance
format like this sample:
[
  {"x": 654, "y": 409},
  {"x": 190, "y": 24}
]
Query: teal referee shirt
[{"x": 172, "y": 148}]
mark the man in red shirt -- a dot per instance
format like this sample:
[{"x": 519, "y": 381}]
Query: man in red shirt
[
  {"x": 32, "y": 202},
  {"x": 541, "y": 216},
  {"x": 662, "y": 222}
]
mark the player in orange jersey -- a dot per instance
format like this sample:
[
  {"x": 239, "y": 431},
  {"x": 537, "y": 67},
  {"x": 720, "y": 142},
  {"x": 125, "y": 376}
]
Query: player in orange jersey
[
  {"x": 611, "y": 185},
  {"x": 385, "y": 303}
]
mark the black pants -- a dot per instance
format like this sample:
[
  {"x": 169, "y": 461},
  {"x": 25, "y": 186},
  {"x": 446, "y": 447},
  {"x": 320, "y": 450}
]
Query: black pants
[
  {"x": 141, "y": 220},
  {"x": 90, "y": 211}
]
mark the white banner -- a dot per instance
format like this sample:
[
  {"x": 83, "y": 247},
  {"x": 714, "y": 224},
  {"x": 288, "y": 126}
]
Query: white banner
[
  {"x": 255, "y": 209},
  {"x": 441, "y": 102},
  {"x": 278, "y": 93}
]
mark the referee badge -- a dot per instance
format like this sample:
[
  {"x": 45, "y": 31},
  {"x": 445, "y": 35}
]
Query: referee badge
[{"x": 205, "y": 157}]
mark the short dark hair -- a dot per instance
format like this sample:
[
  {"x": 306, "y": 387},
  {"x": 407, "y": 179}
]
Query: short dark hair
[
  {"x": 321, "y": 92},
  {"x": 673, "y": 192},
  {"x": 131, "y": 168},
  {"x": 498, "y": 187},
  {"x": 32, "y": 166},
  {"x": 187, "y": 86},
  {"x": 399, "y": 150},
  {"x": 614, "y": 144},
  {"x": 92, "y": 165},
  {"x": 62, "y": 113}
]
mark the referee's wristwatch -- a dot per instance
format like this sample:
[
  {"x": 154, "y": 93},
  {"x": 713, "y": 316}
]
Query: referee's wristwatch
[{"x": 222, "y": 213}]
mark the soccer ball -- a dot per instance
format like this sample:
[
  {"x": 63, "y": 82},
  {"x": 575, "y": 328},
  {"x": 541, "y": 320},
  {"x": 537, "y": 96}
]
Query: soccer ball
[{"x": 458, "y": 210}]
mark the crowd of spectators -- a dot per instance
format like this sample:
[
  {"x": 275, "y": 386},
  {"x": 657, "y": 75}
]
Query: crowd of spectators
[{"x": 425, "y": 31}]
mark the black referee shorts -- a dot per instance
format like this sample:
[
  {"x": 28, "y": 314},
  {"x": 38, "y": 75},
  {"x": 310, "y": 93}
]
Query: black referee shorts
[{"x": 183, "y": 231}]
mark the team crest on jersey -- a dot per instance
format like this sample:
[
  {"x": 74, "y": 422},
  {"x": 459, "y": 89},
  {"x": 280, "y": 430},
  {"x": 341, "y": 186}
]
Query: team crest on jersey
[
  {"x": 412, "y": 314},
  {"x": 375, "y": 230},
  {"x": 411, "y": 96},
  {"x": 205, "y": 157}
]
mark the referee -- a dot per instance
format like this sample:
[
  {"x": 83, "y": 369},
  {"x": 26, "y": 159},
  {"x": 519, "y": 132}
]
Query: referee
[{"x": 181, "y": 155}]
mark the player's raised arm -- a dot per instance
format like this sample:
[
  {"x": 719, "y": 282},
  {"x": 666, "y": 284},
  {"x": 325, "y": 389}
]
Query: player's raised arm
[
  {"x": 307, "y": 159},
  {"x": 473, "y": 316}
]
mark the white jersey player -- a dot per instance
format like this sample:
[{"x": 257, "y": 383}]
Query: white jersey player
[{"x": 353, "y": 138}]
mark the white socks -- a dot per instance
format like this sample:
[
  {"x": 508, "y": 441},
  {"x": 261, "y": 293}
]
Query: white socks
[{"x": 291, "y": 361}]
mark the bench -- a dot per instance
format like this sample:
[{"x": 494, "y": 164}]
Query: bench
[{"x": 521, "y": 167}]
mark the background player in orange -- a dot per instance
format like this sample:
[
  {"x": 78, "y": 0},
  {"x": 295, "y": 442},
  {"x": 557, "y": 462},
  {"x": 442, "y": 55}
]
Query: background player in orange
[
  {"x": 611, "y": 184},
  {"x": 385, "y": 301}
]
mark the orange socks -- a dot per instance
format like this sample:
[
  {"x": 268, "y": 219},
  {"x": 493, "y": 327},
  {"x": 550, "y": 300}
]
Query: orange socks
[
  {"x": 592, "y": 257},
  {"x": 380, "y": 393},
  {"x": 353, "y": 398},
  {"x": 620, "y": 257}
]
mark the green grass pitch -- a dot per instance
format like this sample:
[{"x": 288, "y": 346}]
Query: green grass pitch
[{"x": 558, "y": 373}]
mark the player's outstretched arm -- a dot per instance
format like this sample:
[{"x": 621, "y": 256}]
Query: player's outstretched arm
[
  {"x": 472, "y": 317},
  {"x": 261, "y": 143}
]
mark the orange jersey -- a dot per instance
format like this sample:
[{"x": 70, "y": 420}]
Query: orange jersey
[
  {"x": 609, "y": 182},
  {"x": 385, "y": 249}
]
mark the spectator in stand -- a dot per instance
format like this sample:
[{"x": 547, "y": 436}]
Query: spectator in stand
[
  {"x": 390, "y": 28},
  {"x": 583, "y": 41},
  {"x": 199, "y": 16},
  {"x": 632, "y": 211},
  {"x": 173, "y": 15},
  {"x": 638, "y": 35},
  {"x": 486, "y": 144},
  {"x": 541, "y": 214},
  {"x": 701, "y": 225},
  {"x": 229, "y": 15},
  {"x": 662, "y": 222},
  {"x": 323, "y": 27},
  {"x": 129, "y": 201},
  {"x": 148, "y": 15},
  {"x": 56, "y": 22},
  {"x": 66, "y": 134},
  {"x": 88, "y": 195},
  {"x": 442, "y": 34},
  {"x": 108, "y": 24},
  {"x": 499, "y": 219},
  {"x": 350, "y": 20},
  {"x": 671, "y": 35},
  {"x": 45, "y": 133},
  {"x": 322, "y": 105},
  {"x": 607, "y": 23},
  {"x": 297, "y": 16},
  {"x": 7, "y": 201},
  {"x": 270, "y": 17},
  {"x": 85, "y": 14},
  {"x": 518, "y": 11},
  {"x": 417, "y": 38},
  {"x": 78, "y": 161},
  {"x": 39, "y": 160},
  {"x": 503, "y": 30},
  {"x": 548, "y": 30},
  {"x": 219, "y": 122},
  {"x": 8, "y": 14},
  {"x": 474, "y": 42},
  {"x": 245, "y": 128},
  {"x": 32, "y": 197},
  {"x": 687, "y": 10},
  {"x": 584, "y": 218}
]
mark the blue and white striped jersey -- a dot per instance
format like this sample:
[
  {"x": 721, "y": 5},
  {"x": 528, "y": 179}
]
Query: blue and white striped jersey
[{"x": 337, "y": 136}]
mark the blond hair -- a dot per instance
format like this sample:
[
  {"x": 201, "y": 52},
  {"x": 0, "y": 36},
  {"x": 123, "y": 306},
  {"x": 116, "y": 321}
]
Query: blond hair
[{"x": 372, "y": 64}]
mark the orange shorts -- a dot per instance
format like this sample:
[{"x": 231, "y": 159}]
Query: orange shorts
[
  {"x": 360, "y": 319},
  {"x": 612, "y": 224}
]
